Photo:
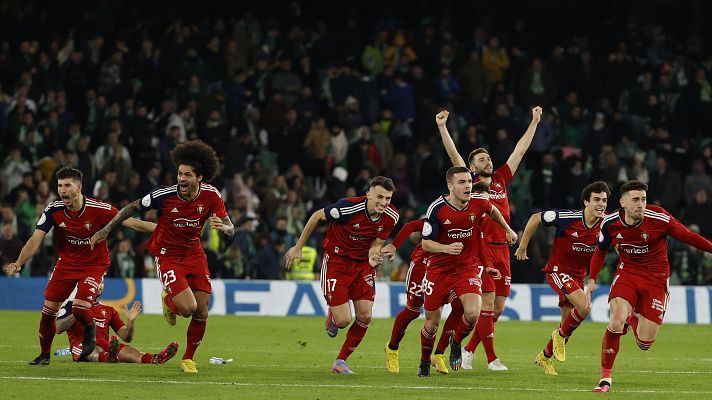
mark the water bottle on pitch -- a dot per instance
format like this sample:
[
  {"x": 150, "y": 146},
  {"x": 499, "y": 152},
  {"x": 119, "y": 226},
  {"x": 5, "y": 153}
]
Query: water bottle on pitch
[
  {"x": 218, "y": 360},
  {"x": 62, "y": 352}
]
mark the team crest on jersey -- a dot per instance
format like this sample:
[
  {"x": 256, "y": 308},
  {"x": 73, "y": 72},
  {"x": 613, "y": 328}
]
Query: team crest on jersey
[
  {"x": 200, "y": 208},
  {"x": 472, "y": 217},
  {"x": 645, "y": 236},
  {"x": 497, "y": 185},
  {"x": 103, "y": 312},
  {"x": 380, "y": 229},
  {"x": 87, "y": 225}
]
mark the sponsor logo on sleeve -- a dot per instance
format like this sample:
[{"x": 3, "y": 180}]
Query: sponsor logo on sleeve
[
  {"x": 146, "y": 200},
  {"x": 549, "y": 216}
]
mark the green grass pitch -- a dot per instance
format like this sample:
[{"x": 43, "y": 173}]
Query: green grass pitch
[{"x": 289, "y": 358}]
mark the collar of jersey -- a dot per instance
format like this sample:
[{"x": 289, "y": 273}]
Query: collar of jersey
[
  {"x": 181, "y": 197},
  {"x": 453, "y": 207},
  {"x": 622, "y": 218},
  {"x": 365, "y": 209},
  {"x": 81, "y": 210}
]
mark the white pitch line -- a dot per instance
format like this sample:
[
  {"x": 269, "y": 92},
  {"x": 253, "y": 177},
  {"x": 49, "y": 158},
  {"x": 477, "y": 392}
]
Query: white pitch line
[{"x": 343, "y": 386}]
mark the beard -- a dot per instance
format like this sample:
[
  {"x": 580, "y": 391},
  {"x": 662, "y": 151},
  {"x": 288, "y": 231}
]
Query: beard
[{"x": 484, "y": 174}]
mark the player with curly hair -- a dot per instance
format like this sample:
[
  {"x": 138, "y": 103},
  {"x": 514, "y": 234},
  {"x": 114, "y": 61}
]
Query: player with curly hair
[{"x": 181, "y": 264}]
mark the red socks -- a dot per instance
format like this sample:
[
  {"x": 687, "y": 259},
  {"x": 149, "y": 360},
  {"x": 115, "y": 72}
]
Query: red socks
[
  {"x": 196, "y": 330},
  {"x": 572, "y": 321},
  {"x": 47, "y": 329},
  {"x": 463, "y": 330},
  {"x": 83, "y": 315},
  {"x": 147, "y": 358},
  {"x": 609, "y": 351},
  {"x": 169, "y": 302},
  {"x": 404, "y": 318},
  {"x": 427, "y": 340},
  {"x": 485, "y": 330},
  {"x": 451, "y": 324},
  {"x": 353, "y": 338}
]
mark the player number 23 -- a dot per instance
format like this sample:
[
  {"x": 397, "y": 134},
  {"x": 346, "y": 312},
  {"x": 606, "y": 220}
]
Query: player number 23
[{"x": 169, "y": 277}]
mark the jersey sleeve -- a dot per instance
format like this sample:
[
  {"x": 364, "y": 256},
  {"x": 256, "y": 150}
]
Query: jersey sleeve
[
  {"x": 431, "y": 226},
  {"x": 116, "y": 323},
  {"x": 219, "y": 207},
  {"x": 604, "y": 238},
  {"x": 550, "y": 218},
  {"x": 340, "y": 211},
  {"x": 406, "y": 230},
  {"x": 66, "y": 310},
  {"x": 46, "y": 221},
  {"x": 680, "y": 232},
  {"x": 155, "y": 199},
  {"x": 505, "y": 173}
]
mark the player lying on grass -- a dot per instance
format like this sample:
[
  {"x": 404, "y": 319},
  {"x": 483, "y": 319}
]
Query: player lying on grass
[{"x": 109, "y": 349}]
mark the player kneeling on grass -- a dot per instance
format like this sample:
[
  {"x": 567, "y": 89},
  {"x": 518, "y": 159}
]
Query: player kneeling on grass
[{"x": 109, "y": 349}]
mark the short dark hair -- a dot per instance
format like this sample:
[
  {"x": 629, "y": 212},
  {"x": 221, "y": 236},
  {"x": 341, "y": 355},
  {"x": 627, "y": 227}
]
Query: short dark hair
[
  {"x": 480, "y": 187},
  {"x": 455, "y": 170},
  {"x": 475, "y": 152},
  {"x": 70, "y": 173},
  {"x": 633, "y": 185},
  {"x": 200, "y": 156},
  {"x": 595, "y": 187},
  {"x": 382, "y": 181}
]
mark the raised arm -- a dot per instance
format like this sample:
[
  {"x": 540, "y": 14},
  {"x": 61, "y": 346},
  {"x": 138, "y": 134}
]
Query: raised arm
[
  {"x": 122, "y": 216},
  {"x": 532, "y": 224},
  {"x": 498, "y": 218},
  {"x": 450, "y": 148},
  {"x": 28, "y": 250},
  {"x": 295, "y": 253},
  {"x": 126, "y": 332},
  {"x": 523, "y": 144},
  {"x": 139, "y": 225}
]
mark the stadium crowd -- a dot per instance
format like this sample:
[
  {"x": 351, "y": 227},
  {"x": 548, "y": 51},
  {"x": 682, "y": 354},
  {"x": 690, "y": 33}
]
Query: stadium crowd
[{"x": 304, "y": 110}]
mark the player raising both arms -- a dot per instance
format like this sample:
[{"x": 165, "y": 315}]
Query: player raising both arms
[
  {"x": 495, "y": 291},
  {"x": 109, "y": 349},
  {"x": 574, "y": 244},
  {"x": 358, "y": 228},
  {"x": 75, "y": 218},
  {"x": 181, "y": 264},
  {"x": 639, "y": 292},
  {"x": 453, "y": 242}
]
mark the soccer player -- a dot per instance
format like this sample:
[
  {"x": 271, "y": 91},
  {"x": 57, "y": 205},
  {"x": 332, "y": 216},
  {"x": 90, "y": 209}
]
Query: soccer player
[
  {"x": 639, "y": 292},
  {"x": 181, "y": 264},
  {"x": 75, "y": 218},
  {"x": 495, "y": 291},
  {"x": 574, "y": 244},
  {"x": 358, "y": 228},
  {"x": 109, "y": 349},
  {"x": 452, "y": 240}
]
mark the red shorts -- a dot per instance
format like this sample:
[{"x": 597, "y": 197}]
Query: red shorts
[
  {"x": 343, "y": 279},
  {"x": 414, "y": 284},
  {"x": 564, "y": 284},
  {"x": 497, "y": 256},
  {"x": 439, "y": 287},
  {"x": 62, "y": 282},
  {"x": 648, "y": 298},
  {"x": 178, "y": 274}
]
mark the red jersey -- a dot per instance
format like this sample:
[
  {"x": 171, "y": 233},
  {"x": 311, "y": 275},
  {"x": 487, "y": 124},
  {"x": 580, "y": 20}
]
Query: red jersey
[
  {"x": 491, "y": 230},
  {"x": 643, "y": 247},
  {"x": 104, "y": 317},
  {"x": 352, "y": 231},
  {"x": 181, "y": 221},
  {"x": 73, "y": 231},
  {"x": 574, "y": 242},
  {"x": 446, "y": 224}
]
